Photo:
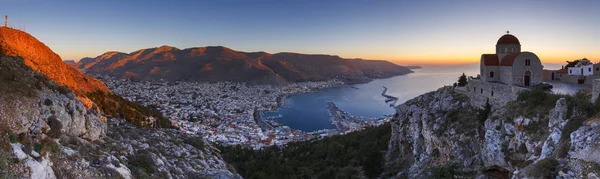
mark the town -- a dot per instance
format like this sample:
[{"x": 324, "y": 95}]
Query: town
[{"x": 230, "y": 113}]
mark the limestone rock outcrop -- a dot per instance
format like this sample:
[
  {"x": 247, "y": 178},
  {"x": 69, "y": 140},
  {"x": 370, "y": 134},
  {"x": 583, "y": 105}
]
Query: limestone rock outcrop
[
  {"x": 30, "y": 102},
  {"x": 48, "y": 133},
  {"x": 441, "y": 131}
]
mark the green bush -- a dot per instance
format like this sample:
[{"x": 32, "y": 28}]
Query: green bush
[
  {"x": 538, "y": 101},
  {"x": 523, "y": 149},
  {"x": 572, "y": 125},
  {"x": 340, "y": 156},
  {"x": 37, "y": 148},
  {"x": 48, "y": 102},
  {"x": 448, "y": 170},
  {"x": 12, "y": 137},
  {"x": 195, "y": 141},
  {"x": 535, "y": 101},
  {"x": 143, "y": 162},
  {"x": 545, "y": 168},
  {"x": 119, "y": 107},
  {"x": 55, "y": 127}
]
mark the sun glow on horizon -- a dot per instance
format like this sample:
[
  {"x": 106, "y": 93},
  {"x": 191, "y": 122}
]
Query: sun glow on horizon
[{"x": 415, "y": 32}]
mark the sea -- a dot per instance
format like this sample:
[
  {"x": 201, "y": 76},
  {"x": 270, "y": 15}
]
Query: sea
[{"x": 308, "y": 111}]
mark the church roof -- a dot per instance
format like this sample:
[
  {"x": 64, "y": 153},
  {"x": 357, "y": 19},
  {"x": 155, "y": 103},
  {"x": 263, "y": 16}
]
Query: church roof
[
  {"x": 490, "y": 59},
  {"x": 509, "y": 59},
  {"x": 583, "y": 62},
  {"x": 508, "y": 39}
]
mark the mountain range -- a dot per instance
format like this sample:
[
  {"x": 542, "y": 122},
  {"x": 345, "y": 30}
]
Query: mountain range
[{"x": 217, "y": 63}]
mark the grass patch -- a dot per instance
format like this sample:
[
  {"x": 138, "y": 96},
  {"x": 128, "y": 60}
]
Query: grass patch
[{"x": 537, "y": 101}]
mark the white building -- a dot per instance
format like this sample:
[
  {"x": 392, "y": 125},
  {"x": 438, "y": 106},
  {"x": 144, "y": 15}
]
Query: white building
[{"x": 583, "y": 67}]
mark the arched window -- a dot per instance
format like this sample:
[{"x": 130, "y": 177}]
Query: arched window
[
  {"x": 492, "y": 93},
  {"x": 481, "y": 90},
  {"x": 491, "y": 74}
]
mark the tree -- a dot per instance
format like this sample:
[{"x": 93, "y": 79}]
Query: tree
[
  {"x": 483, "y": 114},
  {"x": 462, "y": 80},
  {"x": 574, "y": 62}
]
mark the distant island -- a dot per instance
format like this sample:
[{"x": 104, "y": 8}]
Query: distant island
[
  {"x": 218, "y": 63},
  {"x": 414, "y": 67}
]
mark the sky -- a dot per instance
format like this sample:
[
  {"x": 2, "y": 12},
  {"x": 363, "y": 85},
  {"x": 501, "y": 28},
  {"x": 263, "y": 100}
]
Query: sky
[{"x": 406, "y": 32}]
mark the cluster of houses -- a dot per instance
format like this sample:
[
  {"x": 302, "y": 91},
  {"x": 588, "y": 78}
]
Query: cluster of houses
[{"x": 581, "y": 72}]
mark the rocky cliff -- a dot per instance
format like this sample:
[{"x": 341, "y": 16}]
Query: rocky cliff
[
  {"x": 48, "y": 133},
  {"x": 224, "y": 64},
  {"x": 441, "y": 135}
]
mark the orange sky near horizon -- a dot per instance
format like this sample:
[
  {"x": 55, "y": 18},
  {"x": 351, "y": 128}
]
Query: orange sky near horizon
[
  {"x": 409, "y": 32},
  {"x": 551, "y": 59},
  {"x": 424, "y": 59}
]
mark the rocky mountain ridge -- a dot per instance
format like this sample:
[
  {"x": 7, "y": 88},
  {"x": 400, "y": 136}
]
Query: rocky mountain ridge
[
  {"x": 48, "y": 133},
  {"x": 219, "y": 63}
]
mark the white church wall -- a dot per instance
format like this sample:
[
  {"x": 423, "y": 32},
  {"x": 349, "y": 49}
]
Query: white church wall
[
  {"x": 588, "y": 70},
  {"x": 574, "y": 71}
]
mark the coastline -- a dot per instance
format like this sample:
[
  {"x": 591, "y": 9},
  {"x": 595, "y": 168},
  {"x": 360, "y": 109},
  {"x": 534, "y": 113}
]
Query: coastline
[{"x": 282, "y": 99}]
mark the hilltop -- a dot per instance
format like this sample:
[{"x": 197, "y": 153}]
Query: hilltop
[
  {"x": 41, "y": 58},
  {"x": 219, "y": 63}
]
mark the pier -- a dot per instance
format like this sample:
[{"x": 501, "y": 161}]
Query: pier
[
  {"x": 389, "y": 98},
  {"x": 258, "y": 118}
]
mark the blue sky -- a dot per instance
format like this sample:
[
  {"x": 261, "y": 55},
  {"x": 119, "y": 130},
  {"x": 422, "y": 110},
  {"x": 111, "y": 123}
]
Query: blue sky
[{"x": 411, "y": 32}]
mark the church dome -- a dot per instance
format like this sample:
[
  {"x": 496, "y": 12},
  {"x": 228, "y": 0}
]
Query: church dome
[{"x": 508, "y": 39}]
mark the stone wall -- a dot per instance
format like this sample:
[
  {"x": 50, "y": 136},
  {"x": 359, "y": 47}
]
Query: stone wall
[
  {"x": 548, "y": 74},
  {"x": 589, "y": 80},
  {"x": 506, "y": 75},
  {"x": 595, "y": 90},
  {"x": 519, "y": 68},
  {"x": 498, "y": 94},
  {"x": 570, "y": 78}
]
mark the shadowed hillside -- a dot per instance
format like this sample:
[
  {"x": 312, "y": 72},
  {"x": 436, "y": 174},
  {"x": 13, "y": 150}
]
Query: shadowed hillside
[{"x": 224, "y": 64}]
